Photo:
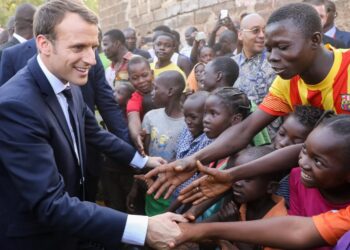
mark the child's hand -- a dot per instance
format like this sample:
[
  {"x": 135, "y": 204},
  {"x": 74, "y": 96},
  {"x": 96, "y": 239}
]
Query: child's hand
[
  {"x": 213, "y": 183},
  {"x": 229, "y": 212},
  {"x": 139, "y": 142}
]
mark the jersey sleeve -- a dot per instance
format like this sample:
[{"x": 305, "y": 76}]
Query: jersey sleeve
[
  {"x": 333, "y": 224},
  {"x": 277, "y": 101}
]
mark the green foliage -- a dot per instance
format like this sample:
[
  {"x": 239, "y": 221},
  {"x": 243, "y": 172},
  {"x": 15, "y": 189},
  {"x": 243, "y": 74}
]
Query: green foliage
[{"x": 8, "y": 7}]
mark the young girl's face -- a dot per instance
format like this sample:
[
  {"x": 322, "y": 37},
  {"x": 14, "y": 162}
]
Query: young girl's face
[
  {"x": 206, "y": 55},
  {"x": 193, "y": 112},
  {"x": 217, "y": 117},
  {"x": 164, "y": 48},
  {"x": 291, "y": 132},
  {"x": 141, "y": 77},
  {"x": 322, "y": 160}
]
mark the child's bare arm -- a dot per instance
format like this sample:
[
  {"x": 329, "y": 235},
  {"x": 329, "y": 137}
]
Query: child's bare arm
[
  {"x": 229, "y": 212},
  {"x": 134, "y": 124},
  {"x": 197, "y": 210},
  {"x": 291, "y": 232}
]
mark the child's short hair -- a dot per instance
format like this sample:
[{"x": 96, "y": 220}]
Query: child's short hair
[
  {"x": 228, "y": 67},
  {"x": 173, "y": 78},
  {"x": 303, "y": 16},
  {"x": 256, "y": 153},
  {"x": 308, "y": 116},
  {"x": 137, "y": 60},
  {"x": 235, "y": 100},
  {"x": 198, "y": 95}
]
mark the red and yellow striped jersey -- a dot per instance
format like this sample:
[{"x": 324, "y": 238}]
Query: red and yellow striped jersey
[{"x": 333, "y": 93}]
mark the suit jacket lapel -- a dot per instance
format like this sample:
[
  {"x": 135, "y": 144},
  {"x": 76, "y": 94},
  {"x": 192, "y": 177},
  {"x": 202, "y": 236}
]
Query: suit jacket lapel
[{"x": 50, "y": 98}]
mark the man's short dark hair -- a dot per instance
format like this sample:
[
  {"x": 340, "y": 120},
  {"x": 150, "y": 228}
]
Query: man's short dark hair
[
  {"x": 115, "y": 35},
  {"x": 49, "y": 15},
  {"x": 303, "y": 16}
]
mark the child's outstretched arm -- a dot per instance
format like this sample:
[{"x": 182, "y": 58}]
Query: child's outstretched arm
[
  {"x": 287, "y": 232},
  {"x": 215, "y": 181},
  {"x": 134, "y": 124}
]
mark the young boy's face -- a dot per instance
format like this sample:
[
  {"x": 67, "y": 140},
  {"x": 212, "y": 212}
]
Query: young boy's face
[
  {"x": 160, "y": 93},
  {"x": 291, "y": 132},
  {"x": 141, "y": 77},
  {"x": 289, "y": 52},
  {"x": 164, "y": 48},
  {"x": 323, "y": 160},
  {"x": 206, "y": 55},
  {"x": 209, "y": 78},
  {"x": 193, "y": 112},
  {"x": 248, "y": 190}
]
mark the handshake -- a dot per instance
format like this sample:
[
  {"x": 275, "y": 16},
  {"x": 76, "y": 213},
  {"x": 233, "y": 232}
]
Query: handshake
[{"x": 164, "y": 231}]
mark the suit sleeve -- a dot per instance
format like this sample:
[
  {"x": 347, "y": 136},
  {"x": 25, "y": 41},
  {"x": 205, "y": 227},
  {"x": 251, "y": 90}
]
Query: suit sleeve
[
  {"x": 28, "y": 159},
  {"x": 107, "y": 105},
  {"x": 107, "y": 142},
  {"x": 7, "y": 69}
]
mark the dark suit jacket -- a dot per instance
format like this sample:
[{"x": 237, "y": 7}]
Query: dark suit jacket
[
  {"x": 39, "y": 175},
  {"x": 13, "y": 41},
  {"x": 96, "y": 92},
  {"x": 343, "y": 36},
  {"x": 334, "y": 42}
]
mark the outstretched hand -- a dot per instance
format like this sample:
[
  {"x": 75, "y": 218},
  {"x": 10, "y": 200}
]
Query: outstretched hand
[
  {"x": 170, "y": 175},
  {"x": 213, "y": 183}
]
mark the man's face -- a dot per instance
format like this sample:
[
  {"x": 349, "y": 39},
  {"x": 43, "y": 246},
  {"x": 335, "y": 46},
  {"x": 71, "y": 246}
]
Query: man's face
[
  {"x": 70, "y": 56},
  {"x": 321, "y": 10},
  {"x": 130, "y": 39},
  {"x": 189, "y": 37},
  {"x": 252, "y": 34},
  {"x": 109, "y": 47},
  {"x": 289, "y": 52}
]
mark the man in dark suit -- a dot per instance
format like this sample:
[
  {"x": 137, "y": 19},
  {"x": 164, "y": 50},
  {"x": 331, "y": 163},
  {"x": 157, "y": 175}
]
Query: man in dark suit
[
  {"x": 95, "y": 92},
  {"x": 23, "y": 26},
  {"x": 44, "y": 128},
  {"x": 329, "y": 27}
]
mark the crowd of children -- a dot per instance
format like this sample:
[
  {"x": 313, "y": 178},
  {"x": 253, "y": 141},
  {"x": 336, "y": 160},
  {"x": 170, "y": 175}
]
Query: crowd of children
[{"x": 175, "y": 112}]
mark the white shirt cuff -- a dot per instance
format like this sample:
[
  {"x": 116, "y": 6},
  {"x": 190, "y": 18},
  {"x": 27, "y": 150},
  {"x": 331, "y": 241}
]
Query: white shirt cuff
[
  {"x": 138, "y": 161},
  {"x": 135, "y": 230}
]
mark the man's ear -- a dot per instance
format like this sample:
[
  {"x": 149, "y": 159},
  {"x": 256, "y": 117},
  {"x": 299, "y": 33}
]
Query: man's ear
[
  {"x": 316, "y": 40},
  {"x": 240, "y": 35},
  {"x": 219, "y": 76},
  {"x": 272, "y": 187},
  {"x": 43, "y": 44}
]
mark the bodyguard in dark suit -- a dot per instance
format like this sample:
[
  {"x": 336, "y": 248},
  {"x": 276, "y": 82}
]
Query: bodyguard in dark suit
[
  {"x": 23, "y": 26},
  {"x": 44, "y": 128}
]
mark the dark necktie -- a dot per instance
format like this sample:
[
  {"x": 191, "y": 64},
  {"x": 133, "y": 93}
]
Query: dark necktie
[
  {"x": 74, "y": 123},
  {"x": 71, "y": 111}
]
